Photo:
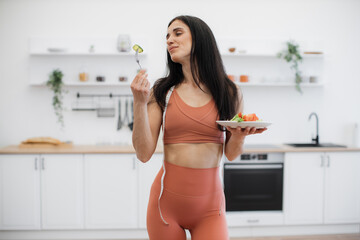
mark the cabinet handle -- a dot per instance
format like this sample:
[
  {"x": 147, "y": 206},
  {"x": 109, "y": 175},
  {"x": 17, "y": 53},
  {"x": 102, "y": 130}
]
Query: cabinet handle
[
  {"x": 328, "y": 163},
  {"x": 36, "y": 163},
  {"x": 322, "y": 161},
  {"x": 42, "y": 163},
  {"x": 253, "y": 220},
  {"x": 134, "y": 164}
]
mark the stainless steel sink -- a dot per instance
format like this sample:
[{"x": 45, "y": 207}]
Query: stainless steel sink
[{"x": 327, "y": 145}]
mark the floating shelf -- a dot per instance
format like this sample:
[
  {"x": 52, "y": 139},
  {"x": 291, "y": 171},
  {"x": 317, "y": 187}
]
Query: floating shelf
[
  {"x": 277, "y": 84},
  {"x": 88, "y": 84},
  {"x": 97, "y": 54},
  {"x": 266, "y": 55}
]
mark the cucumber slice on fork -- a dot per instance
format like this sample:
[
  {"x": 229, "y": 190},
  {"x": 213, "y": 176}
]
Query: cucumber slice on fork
[{"x": 138, "y": 50}]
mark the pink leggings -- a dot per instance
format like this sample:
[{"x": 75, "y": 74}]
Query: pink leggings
[{"x": 193, "y": 199}]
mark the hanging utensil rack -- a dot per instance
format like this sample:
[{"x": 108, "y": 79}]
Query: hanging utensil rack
[
  {"x": 127, "y": 120},
  {"x": 110, "y": 95}
]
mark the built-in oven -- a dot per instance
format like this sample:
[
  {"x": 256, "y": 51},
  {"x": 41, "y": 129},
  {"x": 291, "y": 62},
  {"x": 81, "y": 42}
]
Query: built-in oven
[{"x": 254, "y": 182}]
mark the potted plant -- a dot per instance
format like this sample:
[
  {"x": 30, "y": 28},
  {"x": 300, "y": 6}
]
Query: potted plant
[
  {"x": 56, "y": 84},
  {"x": 292, "y": 55}
]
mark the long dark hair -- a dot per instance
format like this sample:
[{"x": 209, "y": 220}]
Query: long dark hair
[{"x": 206, "y": 68}]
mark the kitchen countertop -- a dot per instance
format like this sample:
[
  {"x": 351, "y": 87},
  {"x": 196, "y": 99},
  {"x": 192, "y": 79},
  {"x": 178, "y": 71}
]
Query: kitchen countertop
[
  {"x": 107, "y": 149},
  {"x": 68, "y": 149}
]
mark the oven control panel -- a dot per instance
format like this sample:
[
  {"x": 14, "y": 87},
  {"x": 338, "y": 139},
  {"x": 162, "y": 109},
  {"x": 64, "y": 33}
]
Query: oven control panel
[
  {"x": 248, "y": 156},
  {"x": 277, "y": 157}
]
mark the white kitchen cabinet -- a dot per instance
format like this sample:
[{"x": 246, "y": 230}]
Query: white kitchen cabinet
[
  {"x": 19, "y": 192},
  {"x": 254, "y": 218},
  {"x": 62, "y": 191},
  {"x": 303, "y": 188},
  {"x": 111, "y": 186},
  {"x": 342, "y": 189},
  {"x": 322, "y": 188},
  {"x": 41, "y": 191},
  {"x": 147, "y": 174}
]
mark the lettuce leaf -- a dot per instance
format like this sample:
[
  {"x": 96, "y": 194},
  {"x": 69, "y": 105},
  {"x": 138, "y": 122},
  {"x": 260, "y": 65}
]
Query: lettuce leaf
[{"x": 236, "y": 118}]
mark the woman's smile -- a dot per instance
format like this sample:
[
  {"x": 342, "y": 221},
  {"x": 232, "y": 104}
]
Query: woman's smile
[
  {"x": 179, "y": 42},
  {"x": 172, "y": 48}
]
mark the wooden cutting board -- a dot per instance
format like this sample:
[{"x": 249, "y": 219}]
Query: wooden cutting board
[
  {"x": 44, "y": 142},
  {"x": 45, "y": 145}
]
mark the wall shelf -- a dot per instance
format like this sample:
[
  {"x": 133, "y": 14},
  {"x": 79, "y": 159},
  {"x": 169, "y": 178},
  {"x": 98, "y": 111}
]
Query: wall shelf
[
  {"x": 267, "y": 55},
  {"x": 257, "y": 58},
  {"x": 96, "y": 56},
  {"x": 88, "y": 84},
  {"x": 278, "y": 84}
]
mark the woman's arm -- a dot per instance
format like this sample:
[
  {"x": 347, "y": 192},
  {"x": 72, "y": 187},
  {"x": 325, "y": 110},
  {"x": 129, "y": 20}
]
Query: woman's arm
[
  {"x": 235, "y": 137},
  {"x": 147, "y": 118}
]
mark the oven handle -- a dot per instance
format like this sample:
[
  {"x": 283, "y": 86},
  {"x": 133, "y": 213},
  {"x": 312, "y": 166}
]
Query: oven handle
[{"x": 254, "y": 166}]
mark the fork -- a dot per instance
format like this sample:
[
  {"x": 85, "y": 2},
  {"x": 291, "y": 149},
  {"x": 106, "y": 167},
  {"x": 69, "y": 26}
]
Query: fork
[{"x": 137, "y": 57}]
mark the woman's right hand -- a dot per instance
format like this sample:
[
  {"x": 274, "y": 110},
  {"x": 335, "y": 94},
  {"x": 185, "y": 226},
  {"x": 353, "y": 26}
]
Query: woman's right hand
[{"x": 140, "y": 87}]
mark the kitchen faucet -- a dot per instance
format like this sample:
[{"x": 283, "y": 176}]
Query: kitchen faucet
[{"x": 316, "y": 139}]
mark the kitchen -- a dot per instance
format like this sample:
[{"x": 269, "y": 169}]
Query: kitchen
[{"x": 259, "y": 27}]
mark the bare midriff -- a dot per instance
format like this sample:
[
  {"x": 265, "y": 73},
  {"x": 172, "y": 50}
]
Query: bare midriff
[{"x": 194, "y": 155}]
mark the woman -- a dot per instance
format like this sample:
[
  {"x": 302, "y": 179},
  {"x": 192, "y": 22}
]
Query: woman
[{"x": 187, "y": 192}]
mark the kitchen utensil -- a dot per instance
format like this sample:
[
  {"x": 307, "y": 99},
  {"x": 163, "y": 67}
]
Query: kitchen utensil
[
  {"x": 137, "y": 58},
  {"x": 137, "y": 50},
  {"x": 119, "y": 124},
  {"x": 131, "y": 125},
  {"x": 126, "y": 116},
  {"x": 106, "y": 112},
  {"x": 106, "y": 109},
  {"x": 84, "y": 105},
  {"x": 43, "y": 140}
]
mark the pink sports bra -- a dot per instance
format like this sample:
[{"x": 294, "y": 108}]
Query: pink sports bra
[{"x": 187, "y": 124}]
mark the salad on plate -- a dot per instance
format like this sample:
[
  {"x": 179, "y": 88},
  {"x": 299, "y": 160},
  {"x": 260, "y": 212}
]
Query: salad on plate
[{"x": 244, "y": 120}]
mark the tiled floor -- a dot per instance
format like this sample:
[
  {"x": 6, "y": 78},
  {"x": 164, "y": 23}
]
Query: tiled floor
[
  {"x": 308, "y": 237},
  {"x": 312, "y": 237}
]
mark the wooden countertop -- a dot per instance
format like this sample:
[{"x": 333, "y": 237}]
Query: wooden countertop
[
  {"x": 68, "y": 149},
  {"x": 108, "y": 149}
]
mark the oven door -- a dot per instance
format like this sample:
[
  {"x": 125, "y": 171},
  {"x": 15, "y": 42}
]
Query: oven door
[{"x": 253, "y": 187}]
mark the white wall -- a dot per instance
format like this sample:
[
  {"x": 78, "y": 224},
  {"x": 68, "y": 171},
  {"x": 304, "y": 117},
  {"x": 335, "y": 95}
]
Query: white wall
[{"x": 26, "y": 111}]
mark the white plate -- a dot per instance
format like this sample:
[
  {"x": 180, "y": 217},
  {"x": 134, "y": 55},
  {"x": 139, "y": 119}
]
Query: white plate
[{"x": 233, "y": 124}]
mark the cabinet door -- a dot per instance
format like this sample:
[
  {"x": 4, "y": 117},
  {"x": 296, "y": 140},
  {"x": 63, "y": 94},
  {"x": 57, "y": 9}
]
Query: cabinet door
[
  {"x": 111, "y": 185},
  {"x": 62, "y": 191},
  {"x": 303, "y": 188},
  {"x": 342, "y": 189},
  {"x": 147, "y": 174},
  {"x": 20, "y": 192}
]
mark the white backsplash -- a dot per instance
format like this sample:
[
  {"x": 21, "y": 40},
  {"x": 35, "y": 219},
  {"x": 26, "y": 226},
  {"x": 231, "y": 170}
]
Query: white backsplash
[{"x": 26, "y": 111}]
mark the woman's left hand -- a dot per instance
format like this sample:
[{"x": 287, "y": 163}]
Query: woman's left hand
[{"x": 243, "y": 132}]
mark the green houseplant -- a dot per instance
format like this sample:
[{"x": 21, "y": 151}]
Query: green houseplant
[
  {"x": 292, "y": 55},
  {"x": 56, "y": 84}
]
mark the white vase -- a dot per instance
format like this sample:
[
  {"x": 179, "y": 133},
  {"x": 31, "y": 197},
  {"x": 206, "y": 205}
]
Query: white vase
[{"x": 124, "y": 43}]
